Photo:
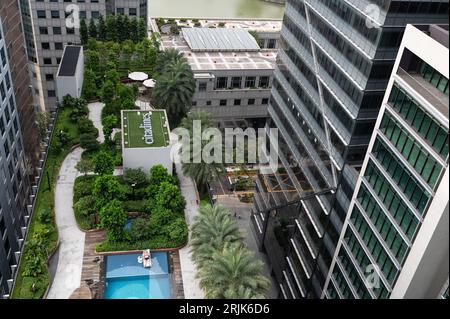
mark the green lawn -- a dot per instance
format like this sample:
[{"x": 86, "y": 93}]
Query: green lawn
[
  {"x": 45, "y": 200},
  {"x": 134, "y": 134}
]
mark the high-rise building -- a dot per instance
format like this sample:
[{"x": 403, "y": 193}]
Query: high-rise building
[
  {"x": 395, "y": 239},
  {"x": 47, "y": 33},
  {"x": 334, "y": 64},
  {"x": 16, "y": 127}
]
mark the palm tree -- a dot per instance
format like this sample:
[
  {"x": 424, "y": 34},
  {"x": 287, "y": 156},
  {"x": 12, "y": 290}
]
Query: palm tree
[
  {"x": 212, "y": 229},
  {"x": 165, "y": 58},
  {"x": 197, "y": 115},
  {"x": 174, "y": 90},
  {"x": 233, "y": 271}
]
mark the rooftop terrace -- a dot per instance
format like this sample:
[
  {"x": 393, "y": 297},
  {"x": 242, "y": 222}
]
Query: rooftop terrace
[
  {"x": 221, "y": 60},
  {"x": 144, "y": 129}
]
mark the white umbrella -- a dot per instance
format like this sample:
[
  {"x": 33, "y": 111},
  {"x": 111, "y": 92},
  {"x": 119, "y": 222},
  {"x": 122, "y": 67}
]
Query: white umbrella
[
  {"x": 150, "y": 83},
  {"x": 138, "y": 76}
]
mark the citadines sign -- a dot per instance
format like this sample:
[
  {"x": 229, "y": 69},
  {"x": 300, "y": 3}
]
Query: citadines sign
[{"x": 147, "y": 126}]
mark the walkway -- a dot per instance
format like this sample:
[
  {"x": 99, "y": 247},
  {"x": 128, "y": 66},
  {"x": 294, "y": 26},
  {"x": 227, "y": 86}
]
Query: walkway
[
  {"x": 71, "y": 238},
  {"x": 191, "y": 284},
  {"x": 95, "y": 115}
]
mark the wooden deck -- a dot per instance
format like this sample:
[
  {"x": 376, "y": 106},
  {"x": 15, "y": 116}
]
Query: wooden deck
[
  {"x": 177, "y": 290},
  {"x": 92, "y": 272}
]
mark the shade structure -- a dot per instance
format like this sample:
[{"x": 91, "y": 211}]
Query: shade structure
[
  {"x": 138, "y": 76},
  {"x": 150, "y": 83}
]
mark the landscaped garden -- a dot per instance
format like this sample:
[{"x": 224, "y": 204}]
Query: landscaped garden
[
  {"x": 33, "y": 277},
  {"x": 151, "y": 202}
]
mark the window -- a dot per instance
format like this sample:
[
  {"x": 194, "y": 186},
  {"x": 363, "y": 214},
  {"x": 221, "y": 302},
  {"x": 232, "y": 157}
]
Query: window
[
  {"x": 202, "y": 86},
  {"x": 56, "y": 30},
  {"x": 70, "y": 30},
  {"x": 95, "y": 14},
  {"x": 251, "y": 102},
  {"x": 47, "y": 60},
  {"x": 250, "y": 81},
  {"x": 236, "y": 82},
  {"x": 43, "y": 30},
  {"x": 45, "y": 46},
  {"x": 264, "y": 81},
  {"x": 208, "y": 103},
  {"x": 41, "y": 14},
  {"x": 237, "y": 102},
  {"x": 271, "y": 43},
  {"x": 49, "y": 77},
  {"x": 51, "y": 93},
  {"x": 132, "y": 11},
  {"x": 265, "y": 101},
  {"x": 194, "y": 103},
  {"x": 55, "y": 14},
  {"x": 221, "y": 82},
  {"x": 58, "y": 46},
  {"x": 83, "y": 15},
  {"x": 223, "y": 102},
  {"x": 120, "y": 10}
]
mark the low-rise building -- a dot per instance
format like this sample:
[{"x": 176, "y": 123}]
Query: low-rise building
[
  {"x": 145, "y": 139},
  {"x": 70, "y": 76},
  {"x": 233, "y": 74}
]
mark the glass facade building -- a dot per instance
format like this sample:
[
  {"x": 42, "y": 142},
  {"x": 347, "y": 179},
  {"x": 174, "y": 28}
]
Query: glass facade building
[
  {"x": 403, "y": 177},
  {"x": 333, "y": 67}
]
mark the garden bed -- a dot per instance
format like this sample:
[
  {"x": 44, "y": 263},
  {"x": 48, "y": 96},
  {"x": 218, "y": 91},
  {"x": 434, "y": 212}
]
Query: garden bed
[{"x": 33, "y": 287}]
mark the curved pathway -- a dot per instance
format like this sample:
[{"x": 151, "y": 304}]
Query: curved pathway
[
  {"x": 71, "y": 238},
  {"x": 95, "y": 115}
]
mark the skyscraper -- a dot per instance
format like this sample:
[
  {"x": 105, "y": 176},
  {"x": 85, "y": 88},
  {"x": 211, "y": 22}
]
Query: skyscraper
[
  {"x": 16, "y": 126},
  {"x": 334, "y": 64},
  {"x": 395, "y": 240}
]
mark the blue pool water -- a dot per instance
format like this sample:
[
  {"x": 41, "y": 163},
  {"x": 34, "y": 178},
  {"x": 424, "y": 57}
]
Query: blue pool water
[
  {"x": 128, "y": 224},
  {"x": 126, "y": 278}
]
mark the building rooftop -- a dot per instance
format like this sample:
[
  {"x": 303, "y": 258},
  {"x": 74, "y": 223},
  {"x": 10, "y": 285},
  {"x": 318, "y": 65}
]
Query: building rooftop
[
  {"x": 221, "y": 60},
  {"x": 69, "y": 60},
  {"x": 145, "y": 129},
  {"x": 219, "y": 39}
]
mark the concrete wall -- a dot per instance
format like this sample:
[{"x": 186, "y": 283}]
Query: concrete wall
[{"x": 146, "y": 158}]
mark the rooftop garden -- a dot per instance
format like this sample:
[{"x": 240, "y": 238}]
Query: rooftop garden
[
  {"x": 134, "y": 134},
  {"x": 152, "y": 202},
  {"x": 33, "y": 278}
]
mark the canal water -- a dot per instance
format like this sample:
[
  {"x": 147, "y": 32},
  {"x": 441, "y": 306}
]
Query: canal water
[{"x": 215, "y": 9}]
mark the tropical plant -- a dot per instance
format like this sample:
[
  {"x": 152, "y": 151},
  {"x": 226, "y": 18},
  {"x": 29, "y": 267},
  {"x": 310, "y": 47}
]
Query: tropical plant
[
  {"x": 231, "y": 272},
  {"x": 101, "y": 33},
  {"x": 135, "y": 176},
  {"x": 212, "y": 229},
  {"x": 165, "y": 58},
  {"x": 109, "y": 122},
  {"x": 92, "y": 29},
  {"x": 174, "y": 90},
  {"x": 89, "y": 142}
]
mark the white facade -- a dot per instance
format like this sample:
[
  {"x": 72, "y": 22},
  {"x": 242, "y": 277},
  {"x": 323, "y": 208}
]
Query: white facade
[{"x": 146, "y": 158}]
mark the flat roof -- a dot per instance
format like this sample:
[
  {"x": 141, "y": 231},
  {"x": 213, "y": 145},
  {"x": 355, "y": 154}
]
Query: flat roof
[
  {"x": 145, "y": 129},
  {"x": 221, "y": 60},
  {"x": 219, "y": 39},
  {"x": 69, "y": 60}
]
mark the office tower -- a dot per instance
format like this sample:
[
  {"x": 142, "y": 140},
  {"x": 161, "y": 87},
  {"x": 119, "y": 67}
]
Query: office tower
[
  {"x": 334, "y": 64},
  {"x": 398, "y": 217},
  {"x": 14, "y": 184},
  {"x": 50, "y": 33}
]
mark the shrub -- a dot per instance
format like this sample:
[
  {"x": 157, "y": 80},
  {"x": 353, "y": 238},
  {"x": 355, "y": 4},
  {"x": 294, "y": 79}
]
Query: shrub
[
  {"x": 89, "y": 142},
  {"x": 83, "y": 187},
  {"x": 45, "y": 216},
  {"x": 169, "y": 196},
  {"x": 103, "y": 163},
  {"x": 84, "y": 166},
  {"x": 197, "y": 24},
  {"x": 174, "y": 30},
  {"x": 135, "y": 176},
  {"x": 140, "y": 229},
  {"x": 221, "y": 24},
  {"x": 135, "y": 206},
  {"x": 183, "y": 20},
  {"x": 194, "y": 20},
  {"x": 85, "y": 126},
  {"x": 85, "y": 206},
  {"x": 113, "y": 217},
  {"x": 177, "y": 230}
]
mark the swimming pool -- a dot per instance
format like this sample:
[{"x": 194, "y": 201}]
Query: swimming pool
[{"x": 126, "y": 278}]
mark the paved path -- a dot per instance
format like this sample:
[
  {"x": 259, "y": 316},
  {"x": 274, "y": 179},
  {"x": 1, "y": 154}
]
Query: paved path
[
  {"x": 71, "y": 238},
  {"x": 191, "y": 284},
  {"x": 95, "y": 115}
]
